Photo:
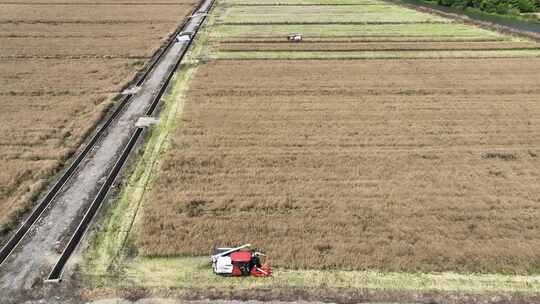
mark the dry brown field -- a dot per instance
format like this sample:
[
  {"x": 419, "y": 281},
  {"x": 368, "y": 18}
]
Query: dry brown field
[
  {"x": 93, "y": 14},
  {"x": 61, "y": 64},
  {"x": 409, "y": 165},
  {"x": 395, "y": 164}
]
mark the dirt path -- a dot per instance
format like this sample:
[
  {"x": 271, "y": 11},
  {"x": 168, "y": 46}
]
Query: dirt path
[{"x": 40, "y": 249}]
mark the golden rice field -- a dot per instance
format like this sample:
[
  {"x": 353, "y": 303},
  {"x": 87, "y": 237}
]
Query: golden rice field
[
  {"x": 61, "y": 64},
  {"x": 404, "y": 144}
]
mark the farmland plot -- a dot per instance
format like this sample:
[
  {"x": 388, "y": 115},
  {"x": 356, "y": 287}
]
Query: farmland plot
[
  {"x": 396, "y": 165},
  {"x": 326, "y": 34},
  {"x": 409, "y": 164},
  {"x": 355, "y": 33},
  {"x": 91, "y": 14},
  {"x": 61, "y": 63}
]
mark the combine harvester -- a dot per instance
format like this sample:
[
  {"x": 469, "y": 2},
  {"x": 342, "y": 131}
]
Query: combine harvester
[{"x": 237, "y": 262}]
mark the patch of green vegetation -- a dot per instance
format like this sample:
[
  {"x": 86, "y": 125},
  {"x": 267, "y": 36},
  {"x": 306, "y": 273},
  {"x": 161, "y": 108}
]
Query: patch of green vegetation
[
  {"x": 528, "y": 17},
  {"x": 522, "y": 10},
  {"x": 508, "y": 7},
  {"x": 195, "y": 272},
  {"x": 415, "y": 54},
  {"x": 353, "y": 30}
]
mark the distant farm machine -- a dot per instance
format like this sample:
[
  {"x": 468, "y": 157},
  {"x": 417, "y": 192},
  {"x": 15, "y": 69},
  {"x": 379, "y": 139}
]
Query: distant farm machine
[{"x": 294, "y": 37}]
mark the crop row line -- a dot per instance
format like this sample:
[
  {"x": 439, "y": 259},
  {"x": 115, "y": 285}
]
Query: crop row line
[
  {"x": 374, "y": 36},
  {"x": 378, "y": 50},
  {"x": 334, "y": 23},
  {"x": 307, "y": 41},
  {"x": 366, "y": 58}
]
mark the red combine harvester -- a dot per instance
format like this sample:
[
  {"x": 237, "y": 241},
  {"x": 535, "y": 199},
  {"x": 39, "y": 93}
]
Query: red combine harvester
[{"x": 240, "y": 261}]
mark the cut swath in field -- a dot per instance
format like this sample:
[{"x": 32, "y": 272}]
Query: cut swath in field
[
  {"x": 93, "y": 14},
  {"x": 387, "y": 54},
  {"x": 332, "y": 14},
  {"x": 372, "y": 46},
  {"x": 449, "y": 31}
]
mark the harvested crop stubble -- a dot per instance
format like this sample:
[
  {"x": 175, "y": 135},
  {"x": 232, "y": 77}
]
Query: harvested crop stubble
[
  {"x": 61, "y": 62},
  {"x": 332, "y": 13},
  {"x": 65, "y": 76},
  {"x": 382, "y": 54},
  {"x": 389, "y": 165},
  {"x": 449, "y": 31},
  {"x": 374, "y": 46},
  {"x": 363, "y": 39},
  {"x": 78, "y": 46},
  {"x": 91, "y": 13},
  {"x": 77, "y": 30}
]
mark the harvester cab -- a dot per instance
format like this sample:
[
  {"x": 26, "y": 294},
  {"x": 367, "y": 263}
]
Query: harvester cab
[{"x": 239, "y": 261}]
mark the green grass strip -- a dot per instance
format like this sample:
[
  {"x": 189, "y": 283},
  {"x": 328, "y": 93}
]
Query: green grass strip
[
  {"x": 344, "y": 30},
  {"x": 313, "y": 14},
  {"x": 375, "y": 54},
  {"x": 195, "y": 272}
]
